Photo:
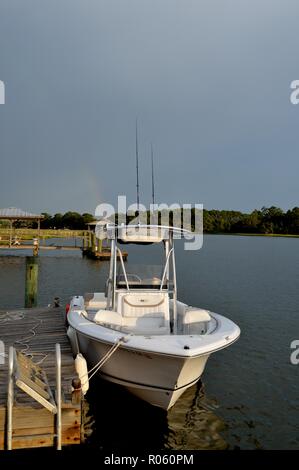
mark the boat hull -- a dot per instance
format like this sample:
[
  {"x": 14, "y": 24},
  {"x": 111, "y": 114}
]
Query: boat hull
[{"x": 159, "y": 379}]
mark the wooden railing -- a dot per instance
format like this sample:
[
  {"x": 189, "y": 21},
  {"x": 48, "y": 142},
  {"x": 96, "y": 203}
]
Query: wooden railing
[{"x": 28, "y": 233}]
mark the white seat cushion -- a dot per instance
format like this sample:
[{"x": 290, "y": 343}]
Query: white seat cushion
[
  {"x": 145, "y": 326},
  {"x": 98, "y": 300},
  {"x": 196, "y": 315},
  {"x": 108, "y": 317},
  {"x": 139, "y": 305}
]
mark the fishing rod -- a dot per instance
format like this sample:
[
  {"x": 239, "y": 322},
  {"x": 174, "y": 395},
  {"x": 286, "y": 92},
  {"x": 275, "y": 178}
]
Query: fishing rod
[
  {"x": 137, "y": 173},
  {"x": 153, "y": 181}
]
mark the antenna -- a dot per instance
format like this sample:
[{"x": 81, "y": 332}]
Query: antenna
[
  {"x": 153, "y": 181},
  {"x": 137, "y": 172}
]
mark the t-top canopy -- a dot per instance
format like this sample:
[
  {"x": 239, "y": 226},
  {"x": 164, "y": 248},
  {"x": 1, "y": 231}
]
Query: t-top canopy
[{"x": 144, "y": 233}]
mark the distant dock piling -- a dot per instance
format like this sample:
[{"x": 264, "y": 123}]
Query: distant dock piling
[{"x": 98, "y": 249}]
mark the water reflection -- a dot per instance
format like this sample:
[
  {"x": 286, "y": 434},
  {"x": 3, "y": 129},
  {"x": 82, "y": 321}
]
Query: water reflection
[
  {"x": 193, "y": 424},
  {"x": 122, "y": 421}
]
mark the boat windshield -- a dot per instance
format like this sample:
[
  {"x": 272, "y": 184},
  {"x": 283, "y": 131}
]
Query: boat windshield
[{"x": 140, "y": 276}]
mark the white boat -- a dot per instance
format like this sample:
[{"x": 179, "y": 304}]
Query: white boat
[{"x": 157, "y": 346}]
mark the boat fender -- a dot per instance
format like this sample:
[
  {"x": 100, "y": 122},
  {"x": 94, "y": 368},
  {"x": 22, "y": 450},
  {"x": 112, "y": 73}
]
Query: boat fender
[{"x": 82, "y": 371}]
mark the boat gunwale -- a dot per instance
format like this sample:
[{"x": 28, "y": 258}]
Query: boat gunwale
[{"x": 147, "y": 351}]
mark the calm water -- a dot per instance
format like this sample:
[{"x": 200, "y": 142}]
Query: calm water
[{"x": 250, "y": 393}]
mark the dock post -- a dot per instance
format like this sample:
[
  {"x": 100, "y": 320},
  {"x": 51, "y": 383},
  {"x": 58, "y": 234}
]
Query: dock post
[
  {"x": 58, "y": 396},
  {"x": 10, "y": 233},
  {"x": 31, "y": 286},
  {"x": 38, "y": 230},
  {"x": 84, "y": 239},
  {"x": 93, "y": 241},
  {"x": 77, "y": 391},
  {"x": 35, "y": 246},
  {"x": 10, "y": 397}
]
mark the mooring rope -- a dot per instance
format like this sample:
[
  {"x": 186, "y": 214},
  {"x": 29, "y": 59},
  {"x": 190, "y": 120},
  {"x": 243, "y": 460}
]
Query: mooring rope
[
  {"x": 12, "y": 316},
  {"x": 105, "y": 358},
  {"x": 9, "y": 316},
  {"x": 25, "y": 342}
]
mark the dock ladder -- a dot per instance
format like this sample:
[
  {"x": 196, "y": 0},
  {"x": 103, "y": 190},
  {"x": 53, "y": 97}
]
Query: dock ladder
[{"x": 31, "y": 379}]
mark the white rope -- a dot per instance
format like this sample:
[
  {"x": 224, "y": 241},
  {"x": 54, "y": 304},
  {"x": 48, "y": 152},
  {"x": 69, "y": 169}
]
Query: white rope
[
  {"x": 9, "y": 316},
  {"x": 104, "y": 359},
  {"x": 12, "y": 316},
  {"x": 25, "y": 342}
]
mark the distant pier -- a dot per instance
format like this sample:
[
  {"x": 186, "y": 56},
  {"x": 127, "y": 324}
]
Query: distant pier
[
  {"x": 96, "y": 248},
  {"x": 79, "y": 240},
  {"x": 41, "y": 247},
  {"x": 103, "y": 255}
]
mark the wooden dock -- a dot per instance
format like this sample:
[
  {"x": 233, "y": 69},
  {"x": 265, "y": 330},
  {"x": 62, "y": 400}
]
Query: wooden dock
[
  {"x": 41, "y": 247},
  {"x": 103, "y": 255},
  {"x": 35, "y": 333}
]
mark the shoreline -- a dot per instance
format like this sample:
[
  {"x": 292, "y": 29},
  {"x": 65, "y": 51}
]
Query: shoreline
[{"x": 274, "y": 235}]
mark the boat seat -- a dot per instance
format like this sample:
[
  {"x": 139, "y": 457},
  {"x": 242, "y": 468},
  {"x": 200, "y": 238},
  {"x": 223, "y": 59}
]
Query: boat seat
[
  {"x": 196, "y": 315},
  {"x": 138, "y": 305},
  {"x": 195, "y": 321},
  {"x": 146, "y": 325},
  {"x": 144, "y": 313},
  {"x": 95, "y": 301},
  {"x": 108, "y": 318}
]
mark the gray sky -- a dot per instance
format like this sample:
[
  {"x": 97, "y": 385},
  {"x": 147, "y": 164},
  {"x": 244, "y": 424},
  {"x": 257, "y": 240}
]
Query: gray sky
[{"x": 208, "y": 79}]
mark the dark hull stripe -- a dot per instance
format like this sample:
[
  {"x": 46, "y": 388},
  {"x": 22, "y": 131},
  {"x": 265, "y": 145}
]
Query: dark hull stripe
[{"x": 146, "y": 386}]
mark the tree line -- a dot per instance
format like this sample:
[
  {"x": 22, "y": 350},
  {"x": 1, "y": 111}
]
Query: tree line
[
  {"x": 69, "y": 220},
  {"x": 268, "y": 220}
]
